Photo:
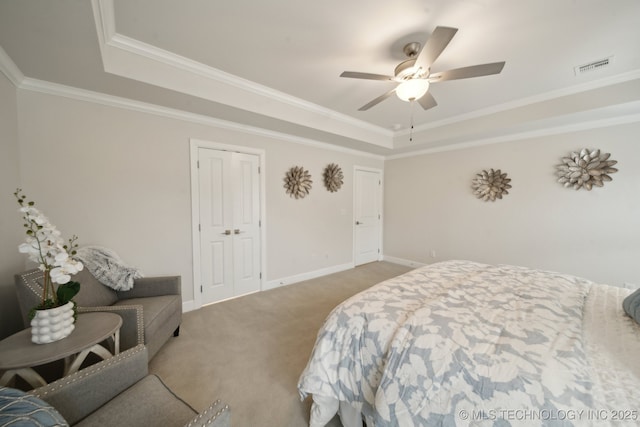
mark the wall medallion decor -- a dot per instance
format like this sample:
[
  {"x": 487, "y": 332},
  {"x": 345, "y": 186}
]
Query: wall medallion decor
[
  {"x": 298, "y": 182},
  {"x": 490, "y": 185},
  {"x": 333, "y": 177},
  {"x": 585, "y": 169}
]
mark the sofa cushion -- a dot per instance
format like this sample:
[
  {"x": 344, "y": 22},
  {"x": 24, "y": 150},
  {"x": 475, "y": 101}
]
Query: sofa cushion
[
  {"x": 20, "y": 409},
  {"x": 147, "y": 403},
  {"x": 92, "y": 293},
  {"x": 155, "y": 311}
]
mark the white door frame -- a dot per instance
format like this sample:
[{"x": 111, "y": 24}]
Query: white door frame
[
  {"x": 195, "y": 144},
  {"x": 353, "y": 222}
]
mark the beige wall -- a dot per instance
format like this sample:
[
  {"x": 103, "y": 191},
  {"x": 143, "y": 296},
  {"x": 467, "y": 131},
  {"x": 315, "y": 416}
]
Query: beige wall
[
  {"x": 429, "y": 205},
  {"x": 10, "y": 224},
  {"x": 120, "y": 178},
  {"x": 316, "y": 232}
]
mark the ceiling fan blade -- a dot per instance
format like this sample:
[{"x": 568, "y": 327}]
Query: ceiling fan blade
[
  {"x": 377, "y": 100},
  {"x": 434, "y": 46},
  {"x": 368, "y": 76},
  {"x": 427, "y": 101},
  {"x": 467, "y": 72}
]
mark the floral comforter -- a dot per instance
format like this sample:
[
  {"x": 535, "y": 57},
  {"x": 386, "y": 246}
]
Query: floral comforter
[{"x": 459, "y": 343}]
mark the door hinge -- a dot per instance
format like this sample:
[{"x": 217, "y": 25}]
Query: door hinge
[
  {"x": 258, "y": 169},
  {"x": 198, "y": 164},
  {"x": 199, "y": 228},
  {"x": 378, "y": 216},
  {"x": 201, "y": 289},
  {"x": 261, "y": 275},
  {"x": 259, "y": 223}
]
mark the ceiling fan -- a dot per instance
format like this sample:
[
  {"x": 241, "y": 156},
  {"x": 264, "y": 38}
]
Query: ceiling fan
[{"x": 414, "y": 75}]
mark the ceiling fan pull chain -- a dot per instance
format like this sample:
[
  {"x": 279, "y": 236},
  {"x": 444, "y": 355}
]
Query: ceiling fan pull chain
[{"x": 413, "y": 102}]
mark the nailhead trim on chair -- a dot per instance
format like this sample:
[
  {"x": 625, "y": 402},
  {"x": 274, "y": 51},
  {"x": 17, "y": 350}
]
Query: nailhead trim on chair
[
  {"x": 32, "y": 284},
  {"x": 203, "y": 413},
  {"x": 64, "y": 381},
  {"x": 111, "y": 308},
  {"x": 26, "y": 278}
]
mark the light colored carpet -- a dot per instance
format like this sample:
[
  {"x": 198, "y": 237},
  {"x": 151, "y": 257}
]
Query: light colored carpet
[{"x": 250, "y": 351}]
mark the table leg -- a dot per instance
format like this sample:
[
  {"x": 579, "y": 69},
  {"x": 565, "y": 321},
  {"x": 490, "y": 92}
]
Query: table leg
[
  {"x": 77, "y": 361},
  {"x": 29, "y": 375},
  {"x": 116, "y": 342},
  {"x": 72, "y": 364}
]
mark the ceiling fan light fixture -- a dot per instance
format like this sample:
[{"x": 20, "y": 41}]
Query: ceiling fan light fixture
[
  {"x": 413, "y": 89},
  {"x": 413, "y": 75}
]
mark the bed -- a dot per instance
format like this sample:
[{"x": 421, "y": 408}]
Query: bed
[{"x": 460, "y": 343}]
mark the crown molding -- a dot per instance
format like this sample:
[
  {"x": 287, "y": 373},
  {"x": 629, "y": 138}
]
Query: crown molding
[
  {"x": 529, "y": 134},
  {"x": 77, "y": 94},
  {"x": 10, "y": 69},
  {"x": 55, "y": 89},
  {"x": 134, "y": 59},
  {"x": 168, "y": 58},
  {"x": 524, "y": 102},
  {"x": 104, "y": 16}
]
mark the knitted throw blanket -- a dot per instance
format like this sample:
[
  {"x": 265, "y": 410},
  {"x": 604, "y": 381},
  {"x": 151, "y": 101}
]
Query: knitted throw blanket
[{"x": 107, "y": 267}]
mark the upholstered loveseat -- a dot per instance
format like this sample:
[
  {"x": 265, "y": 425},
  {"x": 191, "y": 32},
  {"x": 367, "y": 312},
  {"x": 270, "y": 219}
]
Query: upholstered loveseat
[
  {"x": 151, "y": 312},
  {"x": 115, "y": 392}
]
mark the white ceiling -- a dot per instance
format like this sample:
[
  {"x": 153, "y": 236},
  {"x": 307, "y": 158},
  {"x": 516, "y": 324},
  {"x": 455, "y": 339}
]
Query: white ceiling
[{"x": 275, "y": 65}]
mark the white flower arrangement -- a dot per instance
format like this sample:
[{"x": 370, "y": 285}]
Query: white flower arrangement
[{"x": 45, "y": 246}]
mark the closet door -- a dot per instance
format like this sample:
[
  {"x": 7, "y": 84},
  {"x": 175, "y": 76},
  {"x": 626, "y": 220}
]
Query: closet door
[
  {"x": 368, "y": 217},
  {"x": 246, "y": 223},
  {"x": 229, "y": 193}
]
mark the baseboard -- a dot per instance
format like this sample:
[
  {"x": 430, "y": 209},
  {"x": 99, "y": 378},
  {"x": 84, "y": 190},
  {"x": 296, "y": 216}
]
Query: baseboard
[
  {"x": 401, "y": 261},
  {"x": 290, "y": 280},
  {"x": 188, "y": 306},
  {"x": 284, "y": 281}
]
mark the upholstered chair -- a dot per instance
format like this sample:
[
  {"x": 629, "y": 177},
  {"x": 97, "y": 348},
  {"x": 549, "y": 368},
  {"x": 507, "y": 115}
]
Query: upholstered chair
[
  {"x": 151, "y": 312},
  {"x": 120, "y": 392}
]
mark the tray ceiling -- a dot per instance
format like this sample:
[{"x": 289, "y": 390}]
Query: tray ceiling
[{"x": 275, "y": 66}]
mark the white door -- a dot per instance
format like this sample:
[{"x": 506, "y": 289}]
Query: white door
[
  {"x": 368, "y": 216},
  {"x": 229, "y": 193},
  {"x": 246, "y": 223}
]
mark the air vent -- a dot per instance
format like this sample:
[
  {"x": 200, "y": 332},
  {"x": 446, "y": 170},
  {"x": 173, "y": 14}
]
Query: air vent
[{"x": 592, "y": 66}]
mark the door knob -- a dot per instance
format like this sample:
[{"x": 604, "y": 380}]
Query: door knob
[
  {"x": 226, "y": 232},
  {"x": 237, "y": 231},
  {"x": 358, "y": 223}
]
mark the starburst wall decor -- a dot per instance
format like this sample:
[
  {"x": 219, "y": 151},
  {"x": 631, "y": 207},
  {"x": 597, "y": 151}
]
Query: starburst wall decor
[
  {"x": 297, "y": 182},
  {"x": 490, "y": 185},
  {"x": 333, "y": 177},
  {"x": 585, "y": 169}
]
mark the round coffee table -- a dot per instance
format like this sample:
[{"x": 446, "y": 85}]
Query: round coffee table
[{"x": 18, "y": 355}]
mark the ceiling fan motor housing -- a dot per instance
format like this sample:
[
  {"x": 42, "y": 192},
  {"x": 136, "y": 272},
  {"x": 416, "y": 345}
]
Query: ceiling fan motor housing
[
  {"x": 406, "y": 70},
  {"x": 412, "y": 49}
]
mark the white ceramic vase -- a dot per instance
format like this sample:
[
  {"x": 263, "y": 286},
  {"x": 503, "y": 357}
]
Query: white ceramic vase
[{"x": 52, "y": 324}]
